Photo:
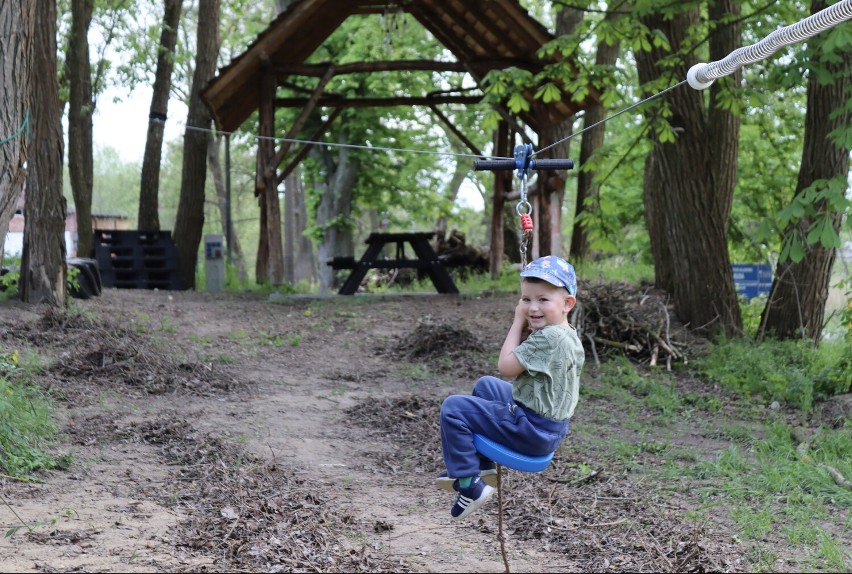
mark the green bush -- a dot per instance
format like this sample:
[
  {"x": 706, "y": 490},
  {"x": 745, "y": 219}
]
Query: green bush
[
  {"x": 26, "y": 428},
  {"x": 794, "y": 372}
]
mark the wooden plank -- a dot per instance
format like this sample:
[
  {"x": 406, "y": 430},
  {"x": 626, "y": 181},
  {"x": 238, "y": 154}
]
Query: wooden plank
[{"x": 341, "y": 102}]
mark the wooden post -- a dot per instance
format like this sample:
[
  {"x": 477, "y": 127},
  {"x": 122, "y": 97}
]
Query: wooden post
[
  {"x": 267, "y": 179},
  {"x": 501, "y": 149}
]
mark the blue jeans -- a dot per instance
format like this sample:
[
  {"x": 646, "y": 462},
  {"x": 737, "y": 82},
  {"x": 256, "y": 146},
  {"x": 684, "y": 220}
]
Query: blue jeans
[{"x": 491, "y": 412}]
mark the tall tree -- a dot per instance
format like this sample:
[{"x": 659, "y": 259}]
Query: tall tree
[
  {"x": 224, "y": 204},
  {"x": 334, "y": 210},
  {"x": 189, "y": 222},
  {"x": 17, "y": 22},
  {"x": 81, "y": 107},
  {"x": 298, "y": 256},
  {"x": 593, "y": 139},
  {"x": 551, "y": 184},
  {"x": 149, "y": 217},
  {"x": 796, "y": 304},
  {"x": 43, "y": 268},
  {"x": 691, "y": 171}
]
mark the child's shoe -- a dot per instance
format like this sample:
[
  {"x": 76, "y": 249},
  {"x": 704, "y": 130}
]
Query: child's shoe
[
  {"x": 446, "y": 482},
  {"x": 469, "y": 499}
]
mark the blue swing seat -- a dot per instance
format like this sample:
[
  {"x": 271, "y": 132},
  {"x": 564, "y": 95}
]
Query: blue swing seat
[{"x": 508, "y": 457}]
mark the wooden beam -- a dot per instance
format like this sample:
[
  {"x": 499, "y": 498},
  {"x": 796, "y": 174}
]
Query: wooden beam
[
  {"x": 300, "y": 122},
  {"x": 501, "y": 186},
  {"x": 400, "y": 66},
  {"x": 337, "y": 102},
  {"x": 456, "y": 131},
  {"x": 307, "y": 147}
]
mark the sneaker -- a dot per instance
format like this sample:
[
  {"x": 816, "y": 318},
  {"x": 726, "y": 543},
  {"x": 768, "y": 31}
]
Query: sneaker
[
  {"x": 445, "y": 481},
  {"x": 469, "y": 499}
]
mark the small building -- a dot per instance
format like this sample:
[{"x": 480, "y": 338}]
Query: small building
[{"x": 14, "y": 245}]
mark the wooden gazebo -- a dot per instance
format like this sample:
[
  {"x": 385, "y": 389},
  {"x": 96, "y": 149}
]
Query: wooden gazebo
[{"x": 483, "y": 35}]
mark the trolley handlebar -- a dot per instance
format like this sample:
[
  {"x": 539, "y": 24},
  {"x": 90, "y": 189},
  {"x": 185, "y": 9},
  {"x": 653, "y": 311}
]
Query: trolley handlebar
[{"x": 510, "y": 164}]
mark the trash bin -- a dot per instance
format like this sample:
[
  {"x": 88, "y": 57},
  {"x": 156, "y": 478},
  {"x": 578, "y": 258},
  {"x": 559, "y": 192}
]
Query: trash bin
[{"x": 214, "y": 263}]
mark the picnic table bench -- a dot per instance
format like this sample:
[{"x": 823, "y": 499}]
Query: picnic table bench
[{"x": 426, "y": 259}]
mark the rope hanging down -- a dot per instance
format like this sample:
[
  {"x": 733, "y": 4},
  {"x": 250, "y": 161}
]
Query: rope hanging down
[{"x": 700, "y": 76}]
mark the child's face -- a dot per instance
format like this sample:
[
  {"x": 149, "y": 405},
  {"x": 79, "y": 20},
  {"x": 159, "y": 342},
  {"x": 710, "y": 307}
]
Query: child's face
[{"x": 545, "y": 304}]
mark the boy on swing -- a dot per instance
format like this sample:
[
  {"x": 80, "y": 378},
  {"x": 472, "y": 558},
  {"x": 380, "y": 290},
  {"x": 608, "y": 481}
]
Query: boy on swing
[{"x": 543, "y": 353}]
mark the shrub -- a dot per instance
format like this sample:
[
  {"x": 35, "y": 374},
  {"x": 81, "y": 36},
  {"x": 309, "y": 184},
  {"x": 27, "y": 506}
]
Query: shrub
[
  {"x": 26, "y": 428},
  {"x": 794, "y": 372}
]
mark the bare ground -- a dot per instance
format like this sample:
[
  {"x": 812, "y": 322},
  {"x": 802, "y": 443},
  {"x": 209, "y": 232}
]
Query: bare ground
[{"x": 227, "y": 432}]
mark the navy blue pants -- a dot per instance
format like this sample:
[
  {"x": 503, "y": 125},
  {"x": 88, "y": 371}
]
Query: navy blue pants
[{"x": 491, "y": 412}]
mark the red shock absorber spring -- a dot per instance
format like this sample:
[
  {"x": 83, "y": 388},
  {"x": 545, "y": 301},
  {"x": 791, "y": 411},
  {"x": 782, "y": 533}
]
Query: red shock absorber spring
[{"x": 526, "y": 222}]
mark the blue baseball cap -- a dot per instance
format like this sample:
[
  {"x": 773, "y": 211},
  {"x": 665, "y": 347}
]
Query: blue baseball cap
[{"x": 555, "y": 271}]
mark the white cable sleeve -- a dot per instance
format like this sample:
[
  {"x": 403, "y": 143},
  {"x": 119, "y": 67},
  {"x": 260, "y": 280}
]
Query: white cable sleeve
[{"x": 700, "y": 76}]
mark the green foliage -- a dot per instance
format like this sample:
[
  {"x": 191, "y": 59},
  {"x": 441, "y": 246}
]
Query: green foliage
[
  {"x": 819, "y": 205},
  {"x": 773, "y": 484},
  {"x": 616, "y": 268},
  {"x": 793, "y": 372},
  {"x": 26, "y": 428},
  {"x": 9, "y": 285},
  {"x": 663, "y": 398},
  {"x": 9, "y": 281}
]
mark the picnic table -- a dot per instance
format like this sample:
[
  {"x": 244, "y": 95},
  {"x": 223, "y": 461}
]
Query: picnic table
[{"x": 426, "y": 259}]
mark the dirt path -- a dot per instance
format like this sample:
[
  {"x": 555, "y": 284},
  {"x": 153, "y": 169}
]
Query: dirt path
[
  {"x": 302, "y": 372},
  {"x": 297, "y": 436}
]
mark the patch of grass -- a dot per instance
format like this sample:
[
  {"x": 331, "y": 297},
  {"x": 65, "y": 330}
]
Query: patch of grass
[
  {"x": 27, "y": 430},
  {"x": 658, "y": 396},
  {"x": 793, "y": 372},
  {"x": 760, "y": 479},
  {"x": 733, "y": 431},
  {"x": 418, "y": 372},
  {"x": 708, "y": 403},
  {"x": 771, "y": 486},
  {"x": 616, "y": 269},
  {"x": 166, "y": 325},
  {"x": 139, "y": 323}
]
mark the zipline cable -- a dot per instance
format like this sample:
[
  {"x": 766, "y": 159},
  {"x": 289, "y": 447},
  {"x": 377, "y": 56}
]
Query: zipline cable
[
  {"x": 606, "y": 119},
  {"x": 700, "y": 76},
  {"x": 350, "y": 146}
]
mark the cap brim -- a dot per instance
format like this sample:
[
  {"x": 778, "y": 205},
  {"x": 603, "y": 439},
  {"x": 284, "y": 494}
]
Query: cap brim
[{"x": 545, "y": 277}]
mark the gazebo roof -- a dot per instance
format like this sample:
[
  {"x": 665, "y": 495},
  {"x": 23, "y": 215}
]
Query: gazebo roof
[{"x": 483, "y": 35}]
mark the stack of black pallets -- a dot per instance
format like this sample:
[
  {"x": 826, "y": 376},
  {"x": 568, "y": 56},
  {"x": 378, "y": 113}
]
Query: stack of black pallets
[{"x": 137, "y": 259}]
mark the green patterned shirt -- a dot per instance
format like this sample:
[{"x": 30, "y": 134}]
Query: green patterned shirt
[{"x": 552, "y": 358}]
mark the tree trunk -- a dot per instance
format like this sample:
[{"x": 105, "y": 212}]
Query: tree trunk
[
  {"x": 334, "y": 211},
  {"x": 261, "y": 264},
  {"x": 43, "y": 268},
  {"x": 796, "y": 304},
  {"x": 552, "y": 183},
  {"x": 189, "y": 222},
  {"x": 304, "y": 266},
  {"x": 236, "y": 252},
  {"x": 149, "y": 216},
  {"x": 593, "y": 139},
  {"x": 459, "y": 174},
  {"x": 298, "y": 260},
  {"x": 17, "y": 25},
  {"x": 81, "y": 107},
  {"x": 289, "y": 230},
  {"x": 268, "y": 178},
  {"x": 690, "y": 182}
]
